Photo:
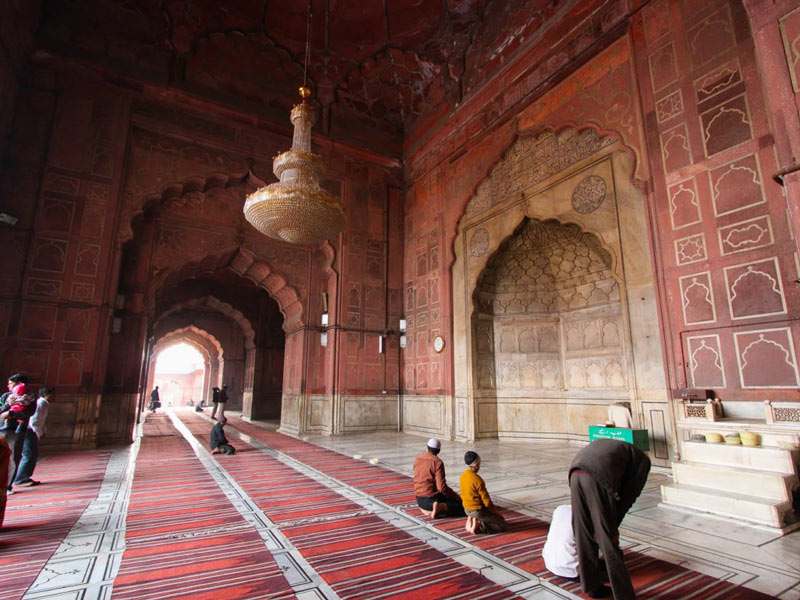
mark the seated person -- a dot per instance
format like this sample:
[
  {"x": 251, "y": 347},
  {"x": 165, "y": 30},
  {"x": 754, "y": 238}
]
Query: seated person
[
  {"x": 18, "y": 408},
  {"x": 560, "y": 552},
  {"x": 434, "y": 496},
  {"x": 482, "y": 515},
  {"x": 219, "y": 443}
]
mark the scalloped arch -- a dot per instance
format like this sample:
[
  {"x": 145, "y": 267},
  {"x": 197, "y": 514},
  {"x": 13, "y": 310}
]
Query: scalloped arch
[
  {"x": 178, "y": 189},
  {"x": 245, "y": 263},
  {"x": 521, "y": 137},
  {"x": 191, "y": 335},
  {"x": 219, "y": 306}
]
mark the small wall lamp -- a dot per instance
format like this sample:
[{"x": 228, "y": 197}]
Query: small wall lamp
[
  {"x": 402, "y": 325},
  {"x": 323, "y": 336}
]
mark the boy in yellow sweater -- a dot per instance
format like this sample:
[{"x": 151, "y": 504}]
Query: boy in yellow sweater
[{"x": 482, "y": 515}]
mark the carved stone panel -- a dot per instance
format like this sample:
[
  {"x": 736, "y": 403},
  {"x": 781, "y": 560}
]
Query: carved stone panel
[
  {"x": 755, "y": 289},
  {"x": 684, "y": 204},
  {"x": 766, "y": 358},
  {"x": 690, "y": 249},
  {"x": 745, "y": 235},
  {"x": 736, "y": 186},
  {"x": 534, "y": 159},
  {"x": 675, "y": 148},
  {"x": 697, "y": 299},
  {"x": 705, "y": 366}
]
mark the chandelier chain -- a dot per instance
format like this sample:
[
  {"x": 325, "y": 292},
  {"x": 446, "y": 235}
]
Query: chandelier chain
[{"x": 308, "y": 45}]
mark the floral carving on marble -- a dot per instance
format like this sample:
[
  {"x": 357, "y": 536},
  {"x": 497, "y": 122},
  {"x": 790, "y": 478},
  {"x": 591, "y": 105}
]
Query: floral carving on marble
[
  {"x": 533, "y": 159},
  {"x": 479, "y": 244}
]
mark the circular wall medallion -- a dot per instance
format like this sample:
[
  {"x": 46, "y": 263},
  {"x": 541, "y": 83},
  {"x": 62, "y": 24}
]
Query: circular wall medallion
[
  {"x": 438, "y": 344},
  {"x": 589, "y": 194},
  {"x": 479, "y": 244}
]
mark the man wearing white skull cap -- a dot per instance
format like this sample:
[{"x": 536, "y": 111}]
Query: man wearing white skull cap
[{"x": 434, "y": 496}]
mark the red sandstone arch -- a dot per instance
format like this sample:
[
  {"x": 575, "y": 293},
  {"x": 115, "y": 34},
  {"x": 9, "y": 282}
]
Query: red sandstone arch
[
  {"x": 245, "y": 263},
  {"x": 190, "y": 185},
  {"x": 219, "y": 306},
  {"x": 204, "y": 342}
]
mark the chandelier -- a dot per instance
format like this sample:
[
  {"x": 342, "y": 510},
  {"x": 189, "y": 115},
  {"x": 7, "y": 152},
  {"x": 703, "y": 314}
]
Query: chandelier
[{"x": 296, "y": 209}]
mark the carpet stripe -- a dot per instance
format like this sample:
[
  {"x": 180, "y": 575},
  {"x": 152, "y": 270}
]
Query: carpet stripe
[
  {"x": 520, "y": 545},
  {"x": 184, "y": 538},
  {"x": 357, "y": 553},
  {"x": 38, "y": 518}
]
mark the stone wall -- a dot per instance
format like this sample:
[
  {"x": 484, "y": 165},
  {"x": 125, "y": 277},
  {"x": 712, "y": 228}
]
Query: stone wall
[
  {"x": 137, "y": 197},
  {"x": 683, "y": 97}
]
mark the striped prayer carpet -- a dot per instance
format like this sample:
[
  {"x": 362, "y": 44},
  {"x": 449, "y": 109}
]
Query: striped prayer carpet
[
  {"x": 521, "y": 545},
  {"x": 361, "y": 556},
  {"x": 39, "y": 518},
  {"x": 184, "y": 538}
]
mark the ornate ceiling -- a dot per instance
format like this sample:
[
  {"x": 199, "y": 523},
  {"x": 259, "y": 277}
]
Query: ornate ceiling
[{"x": 382, "y": 64}]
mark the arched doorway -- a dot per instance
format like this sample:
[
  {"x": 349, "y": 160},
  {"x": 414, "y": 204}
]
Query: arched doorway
[
  {"x": 553, "y": 296},
  {"x": 246, "y": 324},
  {"x": 198, "y": 339},
  {"x": 181, "y": 374}
]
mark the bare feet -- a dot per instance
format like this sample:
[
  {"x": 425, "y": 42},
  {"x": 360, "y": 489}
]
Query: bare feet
[
  {"x": 427, "y": 513},
  {"x": 435, "y": 510},
  {"x": 471, "y": 525}
]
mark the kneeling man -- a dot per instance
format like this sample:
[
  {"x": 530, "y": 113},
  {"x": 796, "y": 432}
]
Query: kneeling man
[
  {"x": 219, "y": 443},
  {"x": 434, "y": 497}
]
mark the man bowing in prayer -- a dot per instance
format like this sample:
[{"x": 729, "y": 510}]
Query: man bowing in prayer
[{"x": 605, "y": 478}]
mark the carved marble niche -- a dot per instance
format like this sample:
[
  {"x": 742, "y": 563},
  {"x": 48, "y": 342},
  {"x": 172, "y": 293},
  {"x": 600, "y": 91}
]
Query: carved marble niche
[
  {"x": 547, "y": 315},
  {"x": 550, "y": 252}
]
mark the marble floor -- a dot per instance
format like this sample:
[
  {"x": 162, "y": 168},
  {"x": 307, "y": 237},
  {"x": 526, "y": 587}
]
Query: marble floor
[
  {"x": 526, "y": 476},
  {"x": 531, "y": 477}
]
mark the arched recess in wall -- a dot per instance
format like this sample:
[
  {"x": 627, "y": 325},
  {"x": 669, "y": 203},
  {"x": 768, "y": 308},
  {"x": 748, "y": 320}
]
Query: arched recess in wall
[
  {"x": 247, "y": 264},
  {"x": 254, "y": 373},
  {"x": 219, "y": 306},
  {"x": 553, "y": 294},
  {"x": 204, "y": 342}
]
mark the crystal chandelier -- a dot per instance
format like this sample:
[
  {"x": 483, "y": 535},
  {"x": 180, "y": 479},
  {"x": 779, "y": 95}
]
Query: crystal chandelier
[{"x": 296, "y": 209}]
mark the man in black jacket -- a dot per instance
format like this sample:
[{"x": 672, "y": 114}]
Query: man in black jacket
[
  {"x": 219, "y": 443},
  {"x": 605, "y": 478}
]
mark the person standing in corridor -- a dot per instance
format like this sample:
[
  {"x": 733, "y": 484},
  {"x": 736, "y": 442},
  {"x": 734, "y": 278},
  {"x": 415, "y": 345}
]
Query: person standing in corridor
[{"x": 36, "y": 431}]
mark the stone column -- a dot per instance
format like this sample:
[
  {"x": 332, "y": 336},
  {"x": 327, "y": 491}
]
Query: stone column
[{"x": 776, "y": 33}]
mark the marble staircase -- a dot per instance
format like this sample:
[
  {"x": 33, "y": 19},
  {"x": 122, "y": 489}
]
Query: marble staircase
[{"x": 750, "y": 484}]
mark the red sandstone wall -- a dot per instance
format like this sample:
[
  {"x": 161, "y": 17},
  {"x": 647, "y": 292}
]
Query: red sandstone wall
[
  {"x": 685, "y": 94},
  {"x": 727, "y": 253},
  {"x": 79, "y": 185}
]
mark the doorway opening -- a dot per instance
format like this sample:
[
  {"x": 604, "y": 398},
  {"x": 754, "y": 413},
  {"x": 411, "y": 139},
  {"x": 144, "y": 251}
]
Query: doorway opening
[{"x": 180, "y": 375}]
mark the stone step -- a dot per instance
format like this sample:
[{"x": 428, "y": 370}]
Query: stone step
[
  {"x": 775, "y": 487},
  {"x": 741, "y": 507},
  {"x": 762, "y": 458}
]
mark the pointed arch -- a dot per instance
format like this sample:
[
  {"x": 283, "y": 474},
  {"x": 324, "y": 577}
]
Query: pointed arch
[
  {"x": 247, "y": 264},
  {"x": 219, "y": 306}
]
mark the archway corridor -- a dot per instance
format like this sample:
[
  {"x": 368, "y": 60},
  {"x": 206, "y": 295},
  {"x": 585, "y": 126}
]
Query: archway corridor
[
  {"x": 239, "y": 330},
  {"x": 181, "y": 375},
  {"x": 336, "y": 518}
]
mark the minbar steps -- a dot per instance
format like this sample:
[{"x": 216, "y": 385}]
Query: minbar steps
[{"x": 755, "y": 485}]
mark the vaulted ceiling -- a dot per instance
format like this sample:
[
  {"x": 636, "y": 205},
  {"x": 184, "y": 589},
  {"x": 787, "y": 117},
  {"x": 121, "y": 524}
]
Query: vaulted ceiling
[{"x": 380, "y": 66}]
